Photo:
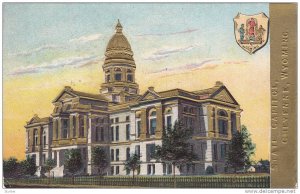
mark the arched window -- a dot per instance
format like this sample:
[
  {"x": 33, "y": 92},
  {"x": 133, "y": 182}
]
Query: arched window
[
  {"x": 223, "y": 122},
  {"x": 118, "y": 74},
  {"x": 152, "y": 121},
  {"x": 44, "y": 137},
  {"x": 129, "y": 75},
  {"x": 36, "y": 136},
  {"x": 222, "y": 113}
]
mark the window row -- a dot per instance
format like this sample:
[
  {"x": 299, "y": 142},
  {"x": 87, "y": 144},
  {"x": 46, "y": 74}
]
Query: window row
[
  {"x": 115, "y": 133},
  {"x": 115, "y": 153},
  {"x": 118, "y": 75},
  {"x": 66, "y": 127},
  {"x": 219, "y": 151},
  {"x": 36, "y": 137},
  {"x": 116, "y": 119}
]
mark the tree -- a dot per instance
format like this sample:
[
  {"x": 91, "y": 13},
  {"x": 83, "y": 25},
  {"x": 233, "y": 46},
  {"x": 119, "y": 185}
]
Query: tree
[
  {"x": 28, "y": 166},
  {"x": 175, "y": 148},
  {"x": 99, "y": 158},
  {"x": 49, "y": 164},
  {"x": 73, "y": 161},
  {"x": 132, "y": 164},
  {"x": 9, "y": 167},
  {"x": 241, "y": 150}
]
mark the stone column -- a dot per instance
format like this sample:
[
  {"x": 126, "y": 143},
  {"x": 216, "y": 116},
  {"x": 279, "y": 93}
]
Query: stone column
[
  {"x": 77, "y": 125},
  {"x": 54, "y": 129},
  {"x": 40, "y": 134},
  {"x": 85, "y": 125},
  {"x": 123, "y": 78},
  {"x": 216, "y": 123},
  {"x": 112, "y": 74},
  {"x": 229, "y": 124},
  {"x": 238, "y": 121},
  {"x": 210, "y": 121},
  {"x": 71, "y": 126},
  {"x": 143, "y": 124},
  {"x": 59, "y": 128},
  {"x": 89, "y": 147},
  {"x": 159, "y": 121},
  {"x": 31, "y": 137}
]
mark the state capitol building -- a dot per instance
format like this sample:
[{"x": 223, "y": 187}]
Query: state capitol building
[{"x": 124, "y": 121}]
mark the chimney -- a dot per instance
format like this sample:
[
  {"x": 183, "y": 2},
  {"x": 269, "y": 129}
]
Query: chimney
[
  {"x": 151, "y": 88},
  {"x": 219, "y": 83}
]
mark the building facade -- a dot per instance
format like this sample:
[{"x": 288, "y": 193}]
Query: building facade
[{"x": 123, "y": 121}]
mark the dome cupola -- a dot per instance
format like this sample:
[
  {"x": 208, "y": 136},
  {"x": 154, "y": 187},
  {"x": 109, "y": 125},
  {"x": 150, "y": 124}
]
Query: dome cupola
[{"x": 119, "y": 69}]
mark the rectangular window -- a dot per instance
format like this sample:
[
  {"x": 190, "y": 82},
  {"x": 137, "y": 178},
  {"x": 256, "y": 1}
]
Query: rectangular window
[
  {"x": 112, "y": 153},
  {"x": 129, "y": 77},
  {"x": 81, "y": 127},
  {"x": 111, "y": 120},
  {"x": 44, "y": 159},
  {"x": 153, "y": 168},
  {"x": 169, "y": 121},
  {"x": 117, "y": 169},
  {"x": 112, "y": 170},
  {"x": 112, "y": 133},
  {"x": 127, "y": 132},
  {"x": 117, "y": 119},
  {"x": 222, "y": 151},
  {"x": 138, "y": 124},
  {"x": 118, "y": 77},
  {"x": 215, "y": 151},
  {"x": 137, "y": 150},
  {"x": 149, "y": 169},
  {"x": 127, "y": 118},
  {"x": 117, "y": 133},
  {"x": 65, "y": 124},
  {"x": 127, "y": 153},
  {"x": 152, "y": 126},
  {"x": 193, "y": 168},
  {"x": 74, "y": 126},
  {"x": 169, "y": 168},
  {"x": 164, "y": 169},
  {"x": 102, "y": 133},
  {"x": 84, "y": 153},
  {"x": 117, "y": 154},
  {"x": 44, "y": 140},
  {"x": 185, "y": 121},
  {"x": 97, "y": 134},
  {"x": 150, "y": 151}
]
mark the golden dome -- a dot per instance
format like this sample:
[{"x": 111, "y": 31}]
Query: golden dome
[
  {"x": 118, "y": 41},
  {"x": 118, "y": 50}
]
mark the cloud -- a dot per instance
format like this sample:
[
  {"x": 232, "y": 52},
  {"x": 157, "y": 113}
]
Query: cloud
[
  {"x": 204, "y": 64},
  {"x": 188, "y": 66},
  {"x": 173, "y": 33},
  {"x": 36, "y": 50},
  {"x": 164, "y": 53},
  {"x": 85, "y": 39},
  {"x": 59, "y": 63}
]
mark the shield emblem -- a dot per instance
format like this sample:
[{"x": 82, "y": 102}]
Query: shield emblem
[{"x": 251, "y": 31}]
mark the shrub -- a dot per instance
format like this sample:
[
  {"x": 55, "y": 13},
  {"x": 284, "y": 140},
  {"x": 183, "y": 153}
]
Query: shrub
[{"x": 209, "y": 170}]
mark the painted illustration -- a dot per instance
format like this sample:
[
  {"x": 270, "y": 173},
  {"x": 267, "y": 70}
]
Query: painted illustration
[{"x": 102, "y": 95}]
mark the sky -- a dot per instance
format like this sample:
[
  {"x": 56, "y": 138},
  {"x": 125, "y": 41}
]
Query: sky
[{"x": 177, "y": 45}]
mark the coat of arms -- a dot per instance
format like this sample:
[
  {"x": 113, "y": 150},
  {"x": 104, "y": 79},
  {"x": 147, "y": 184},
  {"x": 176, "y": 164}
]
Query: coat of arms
[{"x": 251, "y": 31}]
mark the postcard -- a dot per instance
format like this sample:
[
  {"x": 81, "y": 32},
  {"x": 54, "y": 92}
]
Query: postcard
[{"x": 149, "y": 95}]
